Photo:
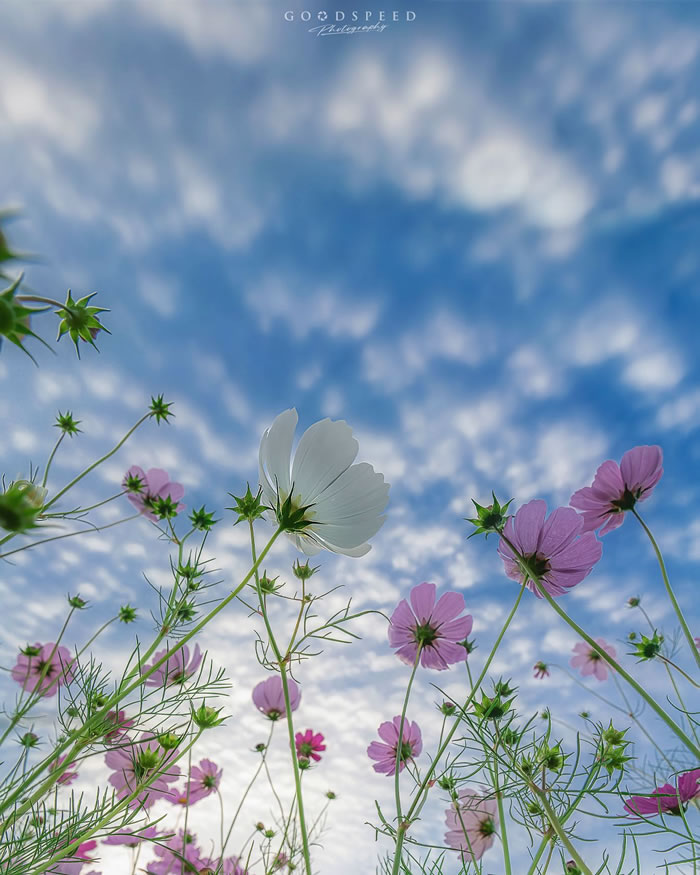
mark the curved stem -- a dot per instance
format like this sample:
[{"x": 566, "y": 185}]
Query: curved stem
[
  {"x": 667, "y": 583},
  {"x": 672, "y": 725},
  {"x": 559, "y": 830},
  {"x": 68, "y": 535},
  {"x": 50, "y": 459}
]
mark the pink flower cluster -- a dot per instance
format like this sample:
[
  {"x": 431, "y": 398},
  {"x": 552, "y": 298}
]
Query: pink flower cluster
[{"x": 145, "y": 488}]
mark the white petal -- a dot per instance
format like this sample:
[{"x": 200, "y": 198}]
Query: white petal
[
  {"x": 275, "y": 454},
  {"x": 325, "y": 450},
  {"x": 359, "y": 491}
]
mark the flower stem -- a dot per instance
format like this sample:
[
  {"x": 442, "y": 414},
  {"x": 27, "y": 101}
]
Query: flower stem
[
  {"x": 502, "y": 819},
  {"x": 559, "y": 830},
  {"x": 667, "y": 583},
  {"x": 50, "y": 459},
  {"x": 672, "y": 725},
  {"x": 68, "y": 535}
]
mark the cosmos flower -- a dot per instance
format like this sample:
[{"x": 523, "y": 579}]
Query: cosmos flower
[
  {"x": 384, "y": 751},
  {"x": 73, "y": 864},
  {"x": 132, "y": 839},
  {"x": 136, "y": 763},
  {"x": 178, "y": 668},
  {"x": 471, "y": 824},
  {"x": 68, "y": 775},
  {"x": 541, "y": 670},
  {"x": 554, "y": 550},
  {"x": 344, "y": 501},
  {"x": 436, "y": 626},
  {"x": 180, "y": 853},
  {"x": 310, "y": 745},
  {"x": 43, "y": 668},
  {"x": 268, "y": 697},
  {"x": 204, "y": 780},
  {"x": 121, "y": 724},
  {"x": 617, "y": 488},
  {"x": 589, "y": 661},
  {"x": 667, "y": 799},
  {"x": 145, "y": 488}
]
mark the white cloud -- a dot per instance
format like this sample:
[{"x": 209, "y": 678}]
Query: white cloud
[
  {"x": 535, "y": 373},
  {"x": 159, "y": 294},
  {"x": 682, "y": 412}
]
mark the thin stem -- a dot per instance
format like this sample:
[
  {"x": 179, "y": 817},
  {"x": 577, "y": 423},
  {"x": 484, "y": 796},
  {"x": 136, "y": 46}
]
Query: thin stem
[
  {"x": 639, "y": 723},
  {"x": 502, "y": 819},
  {"x": 672, "y": 725},
  {"x": 667, "y": 583},
  {"x": 558, "y": 829},
  {"x": 38, "y": 299},
  {"x": 50, "y": 459},
  {"x": 68, "y": 535}
]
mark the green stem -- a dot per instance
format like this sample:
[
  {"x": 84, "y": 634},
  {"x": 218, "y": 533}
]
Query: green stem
[
  {"x": 68, "y": 535},
  {"x": 502, "y": 819},
  {"x": 667, "y": 583},
  {"x": 448, "y": 738},
  {"x": 50, "y": 459},
  {"x": 38, "y": 299},
  {"x": 559, "y": 830},
  {"x": 400, "y": 826},
  {"x": 672, "y": 725},
  {"x": 640, "y": 725}
]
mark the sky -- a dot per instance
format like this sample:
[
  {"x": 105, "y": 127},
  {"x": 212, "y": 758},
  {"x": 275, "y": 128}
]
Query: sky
[{"x": 472, "y": 235}]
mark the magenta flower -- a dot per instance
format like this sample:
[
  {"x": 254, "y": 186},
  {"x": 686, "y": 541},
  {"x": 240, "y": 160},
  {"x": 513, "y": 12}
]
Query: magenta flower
[
  {"x": 73, "y": 864},
  {"x": 132, "y": 839},
  {"x": 121, "y": 725},
  {"x": 435, "y": 626},
  {"x": 43, "y": 668},
  {"x": 384, "y": 752},
  {"x": 67, "y": 776},
  {"x": 268, "y": 697},
  {"x": 177, "y": 669},
  {"x": 554, "y": 551},
  {"x": 310, "y": 745},
  {"x": 589, "y": 661},
  {"x": 471, "y": 824},
  {"x": 178, "y": 854},
  {"x": 617, "y": 488},
  {"x": 667, "y": 799},
  {"x": 204, "y": 780},
  {"x": 138, "y": 763},
  {"x": 230, "y": 866},
  {"x": 144, "y": 489},
  {"x": 541, "y": 670}
]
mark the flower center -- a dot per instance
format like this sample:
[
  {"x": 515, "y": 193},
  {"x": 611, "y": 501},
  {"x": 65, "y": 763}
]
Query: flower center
[
  {"x": 47, "y": 668},
  {"x": 209, "y": 782},
  {"x": 305, "y": 749},
  {"x": 486, "y": 827},
  {"x": 274, "y": 714},
  {"x": 626, "y": 502},
  {"x": 425, "y": 634},
  {"x": 406, "y": 751},
  {"x": 594, "y": 656},
  {"x": 537, "y": 565}
]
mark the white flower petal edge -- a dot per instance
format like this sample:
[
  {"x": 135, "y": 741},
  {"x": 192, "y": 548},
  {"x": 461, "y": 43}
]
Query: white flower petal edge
[{"x": 347, "y": 499}]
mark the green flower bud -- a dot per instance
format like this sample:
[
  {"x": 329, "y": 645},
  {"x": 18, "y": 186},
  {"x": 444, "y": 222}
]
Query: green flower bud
[
  {"x": 248, "y": 507},
  {"x": 206, "y": 717},
  {"x": 160, "y": 409},
  {"x": 67, "y": 424},
  {"x": 305, "y": 571},
  {"x": 168, "y": 740},
  {"x": 489, "y": 519},
  {"x": 80, "y": 321},
  {"x": 127, "y": 614}
]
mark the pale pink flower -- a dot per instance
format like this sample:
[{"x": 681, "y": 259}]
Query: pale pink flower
[
  {"x": 268, "y": 697},
  {"x": 436, "y": 626},
  {"x": 121, "y": 724},
  {"x": 43, "y": 668},
  {"x": 132, "y": 839},
  {"x": 68, "y": 775},
  {"x": 471, "y": 824},
  {"x": 73, "y": 864},
  {"x": 384, "y": 751},
  {"x": 204, "y": 780},
  {"x": 589, "y": 661},
  {"x": 171, "y": 853},
  {"x": 309, "y": 745},
  {"x": 541, "y": 670},
  {"x": 617, "y": 488},
  {"x": 155, "y": 484},
  {"x": 557, "y": 555},
  {"x": 178, "y": 668},
  {"x": 667, "y": 799},
  {"x": 137, "y": 763}
]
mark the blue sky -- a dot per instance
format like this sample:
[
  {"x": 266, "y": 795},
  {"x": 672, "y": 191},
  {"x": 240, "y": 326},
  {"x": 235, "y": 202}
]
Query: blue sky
[{"x": 473, "y": 236}]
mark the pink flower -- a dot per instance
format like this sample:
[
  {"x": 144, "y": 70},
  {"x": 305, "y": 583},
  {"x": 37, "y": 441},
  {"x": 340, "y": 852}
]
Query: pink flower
[
  {"x": 667, "y": 799},
  {"x": 230, "y": 866},
  {"x": 437, "y": 627},
  {"x": 172, "y": 852},
  {"x": 132, "y": 839},
  {"x": 541, "y": 670},
  {"x": 589, "y": 661},
  {"x": 146, "y": 488},
  {"x": 471, "y": 824},
  {"x": 309, "y": 745},
  {"x": 43, "y": 668},
  {"x": 204, "y": 780},
  {"x": 67, "y": 777},
  {"x": 617, "y": 488},
  {"x": 268, "y": 697},
  {"x": 554, "y": 550},
  {"x": 177, "y": 669},
  {"x": 121, "y": 725},
  {"x": 384, "y": 752},
  {"x": 697, "y": 642},
  {"x": 137, "y": 763},
  {"x": 73, "y": 864}
]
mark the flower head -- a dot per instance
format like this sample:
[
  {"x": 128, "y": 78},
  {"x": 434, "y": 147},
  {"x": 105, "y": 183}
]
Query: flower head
[
  {"x": 43, "y": 668},
  {"x": 204, "y": 780},
  {"x": 268, "y": 697},
  {"x": 553, "y": 550},
  {"x": 151, "y": 492},
  {"x": 143, "y": 762},
  {"x": 309, "y": 745},
  {"x": 79, "y": 321},
  {"x": 322, "y": 499},
  {"x": 178, "y": 667},
  {"x": 541, "y": 670},
  {"x": 667, "y": 799},
  {"x": 67, "y": 775},
  {"x": 20, "y": 505},
  {"x": 179, "y": 854},
  {"x": 73, "y": 864},
  {"x": 471, "y": 824},
  {"x": 617, "y": 488},
  {"x": 589, "y": 661},
  {"x": 384, "y": 751},
  {"x": 436, "y": 627}
]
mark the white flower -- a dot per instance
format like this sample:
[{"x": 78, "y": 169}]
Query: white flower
[{"x": 346, "y": 500}]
